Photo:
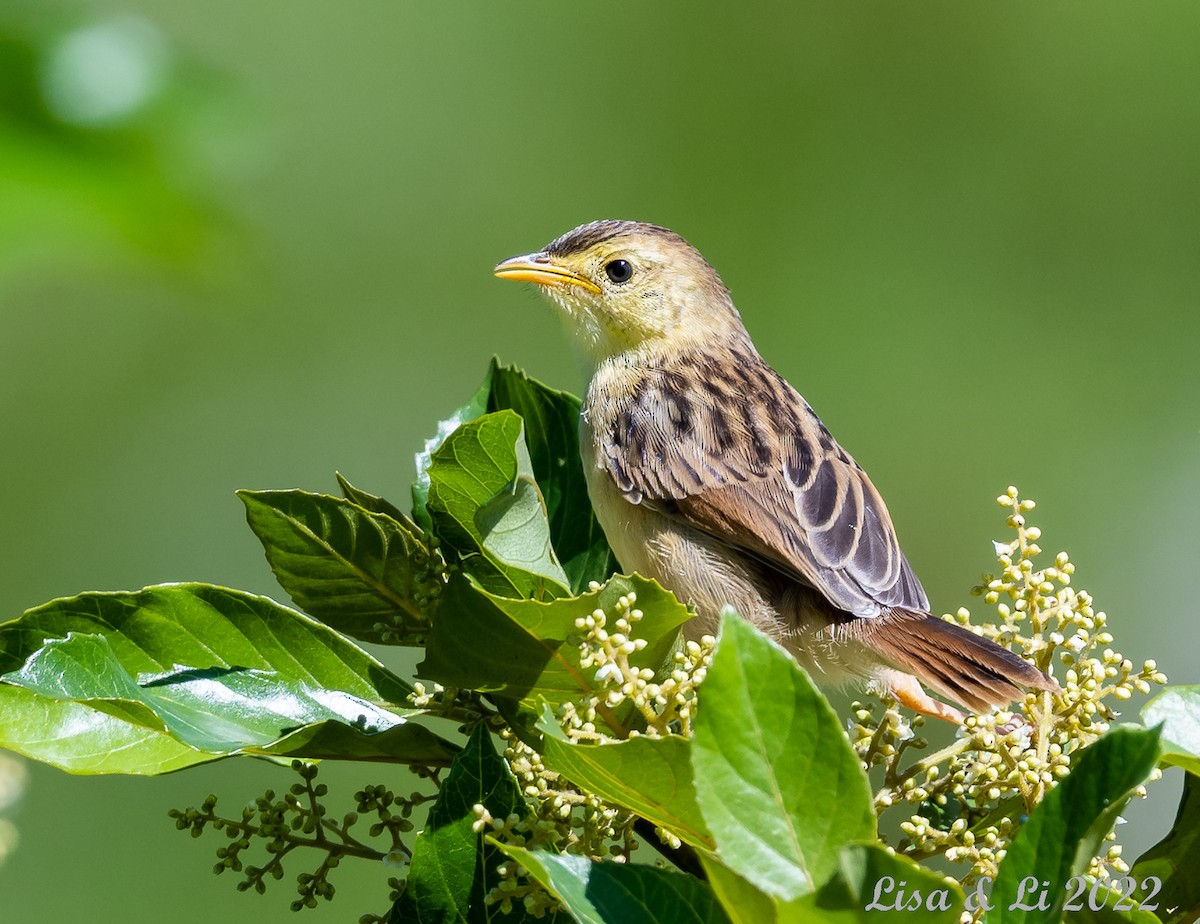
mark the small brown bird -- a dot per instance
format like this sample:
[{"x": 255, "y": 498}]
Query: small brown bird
[{"x": 711, "y": 474}]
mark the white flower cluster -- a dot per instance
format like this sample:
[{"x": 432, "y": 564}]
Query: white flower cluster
[
  {"x": 662, "y": 707},
  {"x": 624, "y": 701},
  {"x": 423, "y": 698},
  {"x": 972, "y": 793}
]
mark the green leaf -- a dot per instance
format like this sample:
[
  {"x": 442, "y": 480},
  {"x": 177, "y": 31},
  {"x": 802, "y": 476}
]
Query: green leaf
[
  {"x": 529, "y": 651},
  {"x": 551, "y": 420},
  {"x": 621, "y": 893},
  {"x": 1067, "y": 829},
  {"x": 474, "y": 408},
  {"x": 650, "y": 776},
  {"x": 408, "y": 743},
  {"x": 486, "y": 506},
  {"x": 1173, "y": 861},
  {"x": 744, "y": 902},
  {"x": 78, "y": 739},
  {"x": 211, "y": 709},
  {"x": 220, "y": 671},
  {"x": 376, "y": 504},
  {"x": 778, "y": 783},
  {"x": 363, "y": 573},
  {"x": 870, "y": 885},
  {"x": 1178, "y": 710},
  {"x": 552, "y": 436},
  {"x": 875, "y": 880},
  {"x": 452, "y": 868},
  {"x": 1111, "y": 907}
]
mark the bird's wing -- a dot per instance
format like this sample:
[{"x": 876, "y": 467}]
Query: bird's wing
[{"x": 733, "y": 450}]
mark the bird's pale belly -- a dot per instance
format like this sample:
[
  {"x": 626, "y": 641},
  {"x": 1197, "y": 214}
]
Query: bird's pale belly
[
  {"x": 710, "y": 575},
  {"x": 694, "y": 566}
]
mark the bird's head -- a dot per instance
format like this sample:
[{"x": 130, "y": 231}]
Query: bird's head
[{"x": 626, "y": 286}]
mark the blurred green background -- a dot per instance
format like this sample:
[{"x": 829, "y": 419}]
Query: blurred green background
[{"x": 246, "y": 244}]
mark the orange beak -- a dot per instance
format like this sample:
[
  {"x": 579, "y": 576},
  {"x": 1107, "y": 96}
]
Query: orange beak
[{"x": 539, "y": 268}]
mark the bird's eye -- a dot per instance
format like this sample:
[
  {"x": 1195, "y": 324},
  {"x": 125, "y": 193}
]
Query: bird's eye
[{"x": 618, "y": 270}]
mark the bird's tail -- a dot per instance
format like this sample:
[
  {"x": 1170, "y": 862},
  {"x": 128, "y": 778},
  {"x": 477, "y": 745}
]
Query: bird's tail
[{"x": 957, "y": 663}]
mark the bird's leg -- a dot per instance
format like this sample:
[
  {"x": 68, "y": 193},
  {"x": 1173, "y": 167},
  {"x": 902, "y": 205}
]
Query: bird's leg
[{"x": 910, "y": 693}]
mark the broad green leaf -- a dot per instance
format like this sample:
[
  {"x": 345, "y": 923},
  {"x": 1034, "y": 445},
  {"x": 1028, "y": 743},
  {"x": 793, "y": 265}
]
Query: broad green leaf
[
  {"x": 552, "y": 436},
  {"x": 884, "y": 887},
  {"x": 407, "y": 743},
  {"x": 530, "y": 650},
  {"x": 486, "y": 506},
  {"x": 221, "y": 671},
  {"x": 1173, "y": 861},
  {"x": 1067, "y": 828},
  {"x": 83, "y": 669},
  {"x": 363, "y": 573},
  {"x": 1098, "y": 905},
  {"x": 376, "y": 504},
  {"x": 743, "y": 901},
  {"x": 78, "y": 739},
  {"x": 168, "y": 626},
  {"x": 474, "y": 408},
  {"x": 870, "y": 885},
  {"x": 452, "y": 867},
  {"x": 211, "y": 709},
  {"x": 650, "y": 776},
  {"x": 777, "y": 782},
  {"x": 551, "y": 420},
  {"x": 621, "y": 893},
  {"x": 1178, "y": 710}
]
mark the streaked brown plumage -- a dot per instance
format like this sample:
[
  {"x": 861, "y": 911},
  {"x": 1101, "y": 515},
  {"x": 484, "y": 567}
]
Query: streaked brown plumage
[{"x": 710, "y": 473}]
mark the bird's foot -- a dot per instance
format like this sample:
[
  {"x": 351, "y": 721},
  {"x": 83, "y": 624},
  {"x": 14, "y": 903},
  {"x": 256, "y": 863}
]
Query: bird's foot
[{"x": 909, "y": 692}]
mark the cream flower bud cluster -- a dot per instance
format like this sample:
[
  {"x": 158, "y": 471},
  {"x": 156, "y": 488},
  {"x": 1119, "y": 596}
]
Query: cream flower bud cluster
[
  {"x": 973, "y": 793},
  {"x": 562, "y": 818},
  {"x": 514, "y": 887},
  {"x": 422, "y": 698},
  {"x": 665, "y": 706},
  {"x": 623, "y": 701}
]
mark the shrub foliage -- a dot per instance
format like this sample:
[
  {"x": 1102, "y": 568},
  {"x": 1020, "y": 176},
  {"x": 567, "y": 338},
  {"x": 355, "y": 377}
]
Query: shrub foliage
[{"x": 557, "y": 721}]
